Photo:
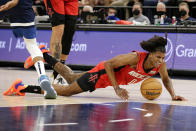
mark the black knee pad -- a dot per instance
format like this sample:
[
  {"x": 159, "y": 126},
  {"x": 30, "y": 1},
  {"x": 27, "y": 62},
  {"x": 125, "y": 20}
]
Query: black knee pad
[{"x": 70, "y": 26}]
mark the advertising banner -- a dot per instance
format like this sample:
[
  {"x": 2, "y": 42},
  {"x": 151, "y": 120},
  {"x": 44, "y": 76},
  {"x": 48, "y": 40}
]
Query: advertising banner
[{"x": 92, "y": 47}]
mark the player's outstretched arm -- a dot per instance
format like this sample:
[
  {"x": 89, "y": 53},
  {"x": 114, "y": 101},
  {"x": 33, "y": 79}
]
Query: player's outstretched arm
[
  {"x": 118, "y": 61},
  {"x": 168, "y": 83},
  {"x": 8, "y": 5}
]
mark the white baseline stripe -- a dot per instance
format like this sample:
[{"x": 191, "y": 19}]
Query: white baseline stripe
[
  {"x": 22, "y": 24},
  {"x": 121, "y": 120},
  {"x": 107, "y": 104},
  {"x": 58, "y": 124}
]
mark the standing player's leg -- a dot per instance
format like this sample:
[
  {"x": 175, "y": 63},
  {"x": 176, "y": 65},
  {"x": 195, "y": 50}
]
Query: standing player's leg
[
  {"x": 55, "y": 41},
  {"x": 63, "y": 18},
  {"x": 71, "y": 13},
  {"x": 29, "y": 34},
  {"x": 57, "y": 18},
  {"x": 69, "y": 30}
]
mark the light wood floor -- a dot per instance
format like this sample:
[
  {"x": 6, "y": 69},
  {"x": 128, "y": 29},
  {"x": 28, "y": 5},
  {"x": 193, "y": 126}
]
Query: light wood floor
[{"x": 183, "y": 87}]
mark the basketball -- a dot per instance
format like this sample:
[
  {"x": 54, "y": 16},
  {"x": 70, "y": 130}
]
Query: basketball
[{"x": 151, "y": 88}]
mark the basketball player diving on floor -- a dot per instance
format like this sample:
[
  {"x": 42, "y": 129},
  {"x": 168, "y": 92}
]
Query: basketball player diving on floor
[
  {"x": 21, "y": 16},
  {"x": 123, "y": 69}
]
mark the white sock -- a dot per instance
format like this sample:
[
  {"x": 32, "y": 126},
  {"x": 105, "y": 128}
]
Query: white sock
[
  {"x": 39, "y": 65},
  {"x": 32, "y": 48}
]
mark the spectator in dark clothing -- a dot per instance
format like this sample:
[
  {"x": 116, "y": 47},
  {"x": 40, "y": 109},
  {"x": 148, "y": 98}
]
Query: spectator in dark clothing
[
  {"x": 184, "y": 13},
  {"x": 161, "y": 13}
]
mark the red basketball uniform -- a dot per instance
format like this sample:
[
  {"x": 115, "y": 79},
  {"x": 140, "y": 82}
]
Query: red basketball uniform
[
  {"x": 63, "y": 7},
  {"x": 60, "y": 10},
  {"x": 124, "y": 75}
]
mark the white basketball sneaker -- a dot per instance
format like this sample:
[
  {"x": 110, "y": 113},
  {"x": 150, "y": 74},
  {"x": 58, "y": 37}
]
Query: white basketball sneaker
[
  {"x": 45, "y": 84},
  {"x": 60, "y": 80}
]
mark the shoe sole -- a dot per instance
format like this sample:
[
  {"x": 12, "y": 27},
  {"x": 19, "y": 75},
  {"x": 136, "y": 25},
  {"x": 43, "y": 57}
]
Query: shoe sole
[{"x": 46, "y": 86}]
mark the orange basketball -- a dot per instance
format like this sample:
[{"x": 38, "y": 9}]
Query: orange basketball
[{"x": 151, "y": 88}]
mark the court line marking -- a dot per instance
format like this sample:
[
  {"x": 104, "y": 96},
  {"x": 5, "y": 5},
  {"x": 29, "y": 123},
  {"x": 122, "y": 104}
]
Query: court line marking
[
  {"x": 107, "y": 104},
  {"x": 121, "y": 120},
  {"x": 140, "y": 109},
  {"x": 58, "y": 124}
]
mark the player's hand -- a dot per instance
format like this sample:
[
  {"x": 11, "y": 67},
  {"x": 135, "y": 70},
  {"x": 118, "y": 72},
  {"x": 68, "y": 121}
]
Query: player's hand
[
  {"x": 178, "y": 98},
  {"x": 122, "y": 93}
]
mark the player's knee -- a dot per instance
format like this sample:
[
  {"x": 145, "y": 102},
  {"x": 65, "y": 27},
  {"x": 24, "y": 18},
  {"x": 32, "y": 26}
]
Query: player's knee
[
  {"x": 58, "y": 31},
  {"x": 70, "y": 23}
]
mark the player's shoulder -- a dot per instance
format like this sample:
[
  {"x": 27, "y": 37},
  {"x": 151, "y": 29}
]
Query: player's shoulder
[
  {"x": 138, "y": 54},
  {"x": 132, "y": 55},
  {"x": 133, "y": 58}
]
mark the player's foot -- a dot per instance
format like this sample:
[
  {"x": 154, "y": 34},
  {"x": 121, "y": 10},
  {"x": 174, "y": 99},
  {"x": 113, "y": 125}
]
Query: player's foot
[
  {"x": 28, "y": 62},
  {"x": 45, "y": 84},
  {"x": 60, "y": 80},
  {"x": 44, "y": 49},
  {"x": 15, "y": 89}
]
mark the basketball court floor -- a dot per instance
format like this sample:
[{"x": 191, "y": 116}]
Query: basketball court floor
[{"x": 100, "y": 110}]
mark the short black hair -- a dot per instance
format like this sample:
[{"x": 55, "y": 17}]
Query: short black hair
[{"x": 154, "y": 44}]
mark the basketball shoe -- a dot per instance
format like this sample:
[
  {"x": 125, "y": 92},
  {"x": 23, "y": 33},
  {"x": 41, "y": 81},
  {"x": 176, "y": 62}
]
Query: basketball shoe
[
  {"x": 15, "y": 89},
  {"x": 45, "y": 84},
  {"x": 60, "y": 80}
]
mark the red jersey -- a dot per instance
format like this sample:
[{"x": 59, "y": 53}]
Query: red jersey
[
  {"x": 63, "y": 7},
  {"x": 124, "y": 75}
]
